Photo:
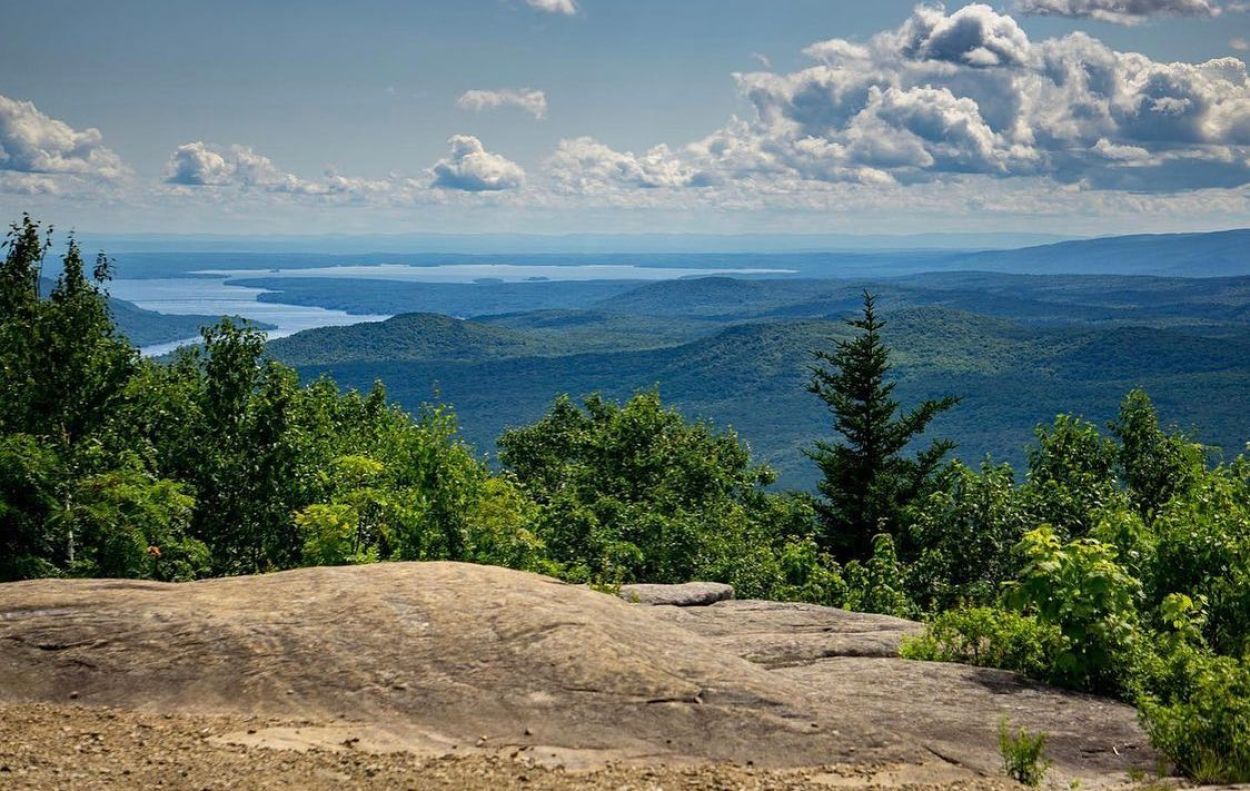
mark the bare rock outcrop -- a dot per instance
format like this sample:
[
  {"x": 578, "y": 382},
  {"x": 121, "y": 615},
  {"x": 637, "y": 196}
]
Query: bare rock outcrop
[
  {"x": 689, "y": 594},
  {"x": 445, "y": 656},
  {"x": 777, "y": 634}
]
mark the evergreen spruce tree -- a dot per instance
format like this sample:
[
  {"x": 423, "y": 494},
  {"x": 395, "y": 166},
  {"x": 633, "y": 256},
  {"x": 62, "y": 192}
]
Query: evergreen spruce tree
[{"x": 867, "y": 481}]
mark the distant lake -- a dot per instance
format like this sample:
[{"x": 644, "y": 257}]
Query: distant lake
[
  {"x": 183, "y": 296},
  {"x": 212, "y": 293},
  {"x": 506, "y": 273}
]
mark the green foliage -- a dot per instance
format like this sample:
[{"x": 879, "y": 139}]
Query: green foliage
[
  {"x": 963, "y": 535},
  {"x": 866, "y": 479},
  {"x": 128, "y": 524},
  {"x": 1072, "y": 476},
  {"x": 1023, "y": 754},
  {"x": 64, "y": 366},
  {"x": 1206, "y": 731},
  {"x": 29, "y": 474},
  {"x": 1203, "y": 549},
  {"x": 1081, "y": 589},
  {"x": 500, "y": 529},
  {"x": 635, "y": 492},
  {"x": 332, "y": 536},
  {"x": 876, "y": 585},
  {"x": 988, "y": 637},
  {"x": 1155, "y": 465},
  {"x": 808, "y": 575}
]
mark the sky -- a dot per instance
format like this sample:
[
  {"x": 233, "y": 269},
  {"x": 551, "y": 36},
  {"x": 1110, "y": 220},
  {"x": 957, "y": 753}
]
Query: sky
[{"x": 626, "y": 116}]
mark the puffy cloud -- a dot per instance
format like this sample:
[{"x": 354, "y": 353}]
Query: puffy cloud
[
  {"x": 531, "y": 101},
  {"x": 200, "y": 164},
  {"x": 31, "y": 142},
  {"x": 195, "y": 164},
  {"x": 948, "y": 95},
  {"x": 1122, "y": 12},
  {"x": 936, "y": 130},
  {"x": 471, "y": 168},
  {"x": 975, "y": 35},
  {"x": 1240, "y": 44},
  {"x": 566, "y": 7},
  {"x": 584, "y": 165},
  {"x": 206, "y": 169}
]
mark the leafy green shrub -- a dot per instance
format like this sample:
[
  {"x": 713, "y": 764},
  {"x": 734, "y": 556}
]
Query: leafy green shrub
[
  {"x": 1072, "y": 476},
  {"x": 877, "y": 585},
  {"x": 1203, "y": 549},
  {"x": 29, "y": 472},
  {"x": 332, "y": 536},
  {"x": 1163, "y": 666},
  {"x": 1206, "y": 732},
  {"x": 962, "y": 538},
  {"x": 1079, "y": 588},
  {"x": 1022, "y": 754},
  {"x": 499, "y": 531},
  {"x": 126, "y": 524},
  {"x": 988, "y": 637},
  {"x": 808, "y": 575},
  {"x": 1133, "y": 541},
  {"x": 1155, "y": 465}
]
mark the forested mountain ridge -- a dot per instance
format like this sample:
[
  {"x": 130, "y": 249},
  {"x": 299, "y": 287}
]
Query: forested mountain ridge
[
  {"x": 1211, "y": 254},
  {"x": 1011, "y": 376},
  {"x": 1017, "y": 347},
  {"x": 410, "y": 336}
]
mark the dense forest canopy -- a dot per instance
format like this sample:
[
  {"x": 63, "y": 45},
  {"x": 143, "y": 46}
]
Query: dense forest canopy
[
  {"x": 1117, "y": 561},
  {"x": 1016, "y": 349}
]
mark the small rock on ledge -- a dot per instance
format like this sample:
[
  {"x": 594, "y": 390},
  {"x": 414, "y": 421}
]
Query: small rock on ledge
[{"x": 690, "y": 594}]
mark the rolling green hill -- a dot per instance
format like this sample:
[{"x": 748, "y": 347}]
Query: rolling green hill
[
  {"x": 1055, "y": 299},
  {"x": 413, "y": 336},
  {"x": 1011, "y": 376}
]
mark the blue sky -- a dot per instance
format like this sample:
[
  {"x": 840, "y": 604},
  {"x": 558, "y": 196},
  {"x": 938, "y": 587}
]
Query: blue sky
[{"x": 558, "y": 116}]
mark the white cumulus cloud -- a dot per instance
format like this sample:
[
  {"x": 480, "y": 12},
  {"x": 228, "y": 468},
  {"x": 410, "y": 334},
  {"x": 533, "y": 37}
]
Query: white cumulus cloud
[
  {"x": 200, "y": 164},
  {"x": 953, "y": 95},
  {"x": 584, "y": 165},
  {"x": 471, "y": 168},
  {"x": 32, "y": 142},
  {"x": 530, "y": 100}
]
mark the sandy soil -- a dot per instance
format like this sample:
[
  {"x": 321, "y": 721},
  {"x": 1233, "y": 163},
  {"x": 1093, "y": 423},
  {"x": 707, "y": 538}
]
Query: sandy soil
[{"x": 54, "y": 746}]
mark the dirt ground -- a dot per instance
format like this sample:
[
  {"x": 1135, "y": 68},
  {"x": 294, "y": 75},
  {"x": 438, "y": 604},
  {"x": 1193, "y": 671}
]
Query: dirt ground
[{"x": 54, "y": 746}]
